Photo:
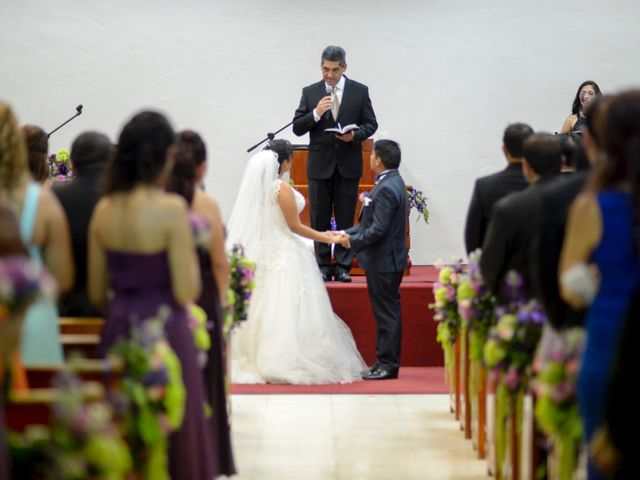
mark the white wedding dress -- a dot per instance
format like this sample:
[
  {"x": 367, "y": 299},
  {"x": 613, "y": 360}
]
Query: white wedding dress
[{"x": 291, "y": 334}]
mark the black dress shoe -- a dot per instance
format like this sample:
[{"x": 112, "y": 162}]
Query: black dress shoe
[
  {"x": 381, "y": 374},
  {"x": 374, "y": 367},
  {"x": 326, "y": 276},
  {"x": 343, "y": 276}
]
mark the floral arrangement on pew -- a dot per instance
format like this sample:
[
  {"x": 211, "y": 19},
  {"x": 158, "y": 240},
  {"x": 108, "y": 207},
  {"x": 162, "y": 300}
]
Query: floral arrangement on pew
[
  {"x": 446, "y": 309},
  {"x": 83, "y": 440},
  {"x": 509, "y": 352},
  {"x": 60, "y": 166},
  {"x": 153, "y": 395},
  {"x": 476, "y": 305},
  {"x": 556, "y": 365},
  {"x": 513, "y": 340},
  {"x": 241, "y": 285}
]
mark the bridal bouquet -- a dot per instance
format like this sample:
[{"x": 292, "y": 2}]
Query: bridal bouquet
[
  {"x": 153, "y": 395},
  {"x": 21, "y": 281},
  {"x": 201, "y": 231},
  {"x": 241, "y": 285},
  {"x": 198, "y": 323},
  {"x": 60, "y": 166}
]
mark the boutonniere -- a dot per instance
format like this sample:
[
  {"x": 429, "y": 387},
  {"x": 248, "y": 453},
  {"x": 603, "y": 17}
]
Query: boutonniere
[{"x": 364, "y": 199}]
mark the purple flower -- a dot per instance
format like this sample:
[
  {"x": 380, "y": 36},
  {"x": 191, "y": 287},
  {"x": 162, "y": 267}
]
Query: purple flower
[{"x": 512, "y": 379}]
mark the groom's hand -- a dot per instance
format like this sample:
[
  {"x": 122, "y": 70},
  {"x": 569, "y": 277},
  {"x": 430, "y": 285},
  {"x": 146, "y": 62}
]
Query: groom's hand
[{"x": 344, "y": 240}]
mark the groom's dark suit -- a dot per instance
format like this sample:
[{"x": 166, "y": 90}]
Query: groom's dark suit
[
  {"x": 379, "y": 241},
  {"x": 334, "y": 167}
]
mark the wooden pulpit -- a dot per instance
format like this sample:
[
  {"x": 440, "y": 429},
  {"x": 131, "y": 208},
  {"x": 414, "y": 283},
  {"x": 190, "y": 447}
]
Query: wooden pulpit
[{"x": 367, "y": 182}]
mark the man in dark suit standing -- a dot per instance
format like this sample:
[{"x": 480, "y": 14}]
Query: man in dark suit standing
[
  {"x": 488, "y": 190},
  {"x": 515, "y": 219},
  {"x": 90, "y": 154},
  {"x": 334, "y": 162},
  {"x": 380, "y": 243}
]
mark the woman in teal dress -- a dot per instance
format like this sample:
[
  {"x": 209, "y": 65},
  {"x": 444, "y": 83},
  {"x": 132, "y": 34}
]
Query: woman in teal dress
[
  {"x": 44, "y": 230},
  {"x": 599, "y": 266}
]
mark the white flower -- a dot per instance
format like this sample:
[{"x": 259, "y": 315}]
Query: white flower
[{"x": 366, "y": 201}]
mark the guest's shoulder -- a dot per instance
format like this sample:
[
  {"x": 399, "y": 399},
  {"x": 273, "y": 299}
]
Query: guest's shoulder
[{"x": 173, "y": 203}]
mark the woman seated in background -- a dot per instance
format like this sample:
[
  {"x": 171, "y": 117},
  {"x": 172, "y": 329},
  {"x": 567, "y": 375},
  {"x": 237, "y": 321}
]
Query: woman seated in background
[
  {"x": 587, "y": 91},
  {"x": 37, "y": 150},
  {"x": 45, "y": 233},
  {"x": 188, "y": 172},
  {"x": 599, "y": 265},
  {"x": 142, "y": 260}
]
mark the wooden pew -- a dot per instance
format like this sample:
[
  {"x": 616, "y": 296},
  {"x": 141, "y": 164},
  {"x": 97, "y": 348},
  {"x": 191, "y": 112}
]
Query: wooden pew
[
  {"x": 81, "y": 325},
  {"x": 106, "y": 371},
  {"x": 33, "y": 407},
  {"x": 85, "y": 344}
]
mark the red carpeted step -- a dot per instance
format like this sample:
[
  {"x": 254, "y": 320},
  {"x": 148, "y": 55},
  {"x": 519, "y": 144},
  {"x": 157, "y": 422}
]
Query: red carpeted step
[
  {"x": 419, "y": 346},
  {"x": 412, "y": 380}
]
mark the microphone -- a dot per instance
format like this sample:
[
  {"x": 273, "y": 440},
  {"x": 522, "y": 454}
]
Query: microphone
[
  {"x": 329, "y": 90},
  {"x": 78, "y": 112}
]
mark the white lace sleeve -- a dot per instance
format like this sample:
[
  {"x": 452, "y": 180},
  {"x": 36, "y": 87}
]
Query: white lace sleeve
[{"x": 276, "y": 190}]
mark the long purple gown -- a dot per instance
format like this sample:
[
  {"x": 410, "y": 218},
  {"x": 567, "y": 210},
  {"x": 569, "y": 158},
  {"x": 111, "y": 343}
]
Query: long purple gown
[
  {"x": 141, "y": 284},
  {"x": 215, "y": 370},
  {"x": 4, "y": 457}
]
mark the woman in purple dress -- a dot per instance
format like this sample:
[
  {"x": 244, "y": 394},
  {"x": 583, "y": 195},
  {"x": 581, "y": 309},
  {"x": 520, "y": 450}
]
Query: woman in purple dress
[
  {"x": 141, "y": 259},
  {"x": 188, "y": 171}
]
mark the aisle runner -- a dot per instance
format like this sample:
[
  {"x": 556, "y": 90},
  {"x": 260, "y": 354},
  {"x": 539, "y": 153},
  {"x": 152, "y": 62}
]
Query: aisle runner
[{"x": 412, "y": 380}]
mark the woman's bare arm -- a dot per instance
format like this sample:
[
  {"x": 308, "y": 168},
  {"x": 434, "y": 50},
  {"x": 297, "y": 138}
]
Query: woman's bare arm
[
  {"x": 583, "y": 233},
  {"x": 287, "y": 202}
]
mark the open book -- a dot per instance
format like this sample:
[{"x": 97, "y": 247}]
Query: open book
[{"x": 342, "y": 130}]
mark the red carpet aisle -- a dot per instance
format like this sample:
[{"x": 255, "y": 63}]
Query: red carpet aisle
[
  {"x": 419, "y": 346},
  {"x": 412, "y": 380}
]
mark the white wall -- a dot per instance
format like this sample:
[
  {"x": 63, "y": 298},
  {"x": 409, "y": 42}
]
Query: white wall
[{"x": 445, "y": 77}]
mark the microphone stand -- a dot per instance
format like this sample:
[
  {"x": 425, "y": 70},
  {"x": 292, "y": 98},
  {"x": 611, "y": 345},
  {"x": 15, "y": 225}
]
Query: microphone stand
[
  {"x": 270, "y": 136},
  {"x": 78, "y": 112}
]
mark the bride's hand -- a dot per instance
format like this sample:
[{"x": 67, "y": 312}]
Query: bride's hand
[{"x": 330, "y": 237}]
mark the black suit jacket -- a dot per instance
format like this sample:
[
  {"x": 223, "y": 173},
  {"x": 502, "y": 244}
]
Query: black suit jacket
[
  {"x": 513, "y": 226},
  {"x": 486, "y": 192},
  {"x": 379, "y": 240},
  {"x": 78, "y": 198},
  {"x": 555, "y": 199},
  {"x": 326, "y": 153}
]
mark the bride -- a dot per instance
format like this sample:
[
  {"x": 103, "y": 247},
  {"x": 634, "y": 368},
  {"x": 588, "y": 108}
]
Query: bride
[{"x": 291, "y": 334}]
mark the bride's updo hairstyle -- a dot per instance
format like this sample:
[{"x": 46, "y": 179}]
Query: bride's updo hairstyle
[
  {"x": 282, "y": 148},
  {"x": 141, "y": 154}
]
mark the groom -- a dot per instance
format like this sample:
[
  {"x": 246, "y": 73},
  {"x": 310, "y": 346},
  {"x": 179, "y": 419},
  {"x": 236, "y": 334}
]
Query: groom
[{"x": 379, "y": 243}]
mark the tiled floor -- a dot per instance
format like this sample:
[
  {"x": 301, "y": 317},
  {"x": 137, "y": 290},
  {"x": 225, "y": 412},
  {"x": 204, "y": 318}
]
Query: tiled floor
[{"x": 350, "y": 437}]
